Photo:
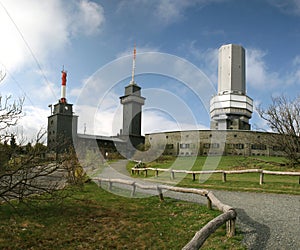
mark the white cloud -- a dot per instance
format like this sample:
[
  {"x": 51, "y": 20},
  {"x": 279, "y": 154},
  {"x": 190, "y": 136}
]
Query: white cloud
[
  {"x": 89, "y": 18},
  {"x": 171, "y": 11},
  {"x": 164, "y": 12},
  {"x": 45, "y": 26},
  {"x": 294, "y": 76},
  {"x": 257, "y": 73},
  {"x": 33, "y": 120},
  {"x": 207, "y": 59},
  {"x": 260, "y": 77},
  {"x": 100, "y": 121},
  {"x": 287, "y": 6},
  {"x": 156, "y": 122}
]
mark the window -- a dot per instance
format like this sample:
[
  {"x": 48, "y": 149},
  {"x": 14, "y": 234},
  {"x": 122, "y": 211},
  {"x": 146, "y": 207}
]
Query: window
[
  {"x": 258, "y": 147},
  {"x": 184, "y": 145},
  {"x": 277, "y": 148},
  {"x": 215, "y": 145},
  {"x": 235, "y": 146},
  {"x": 169, "y": 146},
  {"x": 206, "y": 145}
]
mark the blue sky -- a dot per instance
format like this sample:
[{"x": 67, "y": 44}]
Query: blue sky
[{"x": 89, "y": 38}]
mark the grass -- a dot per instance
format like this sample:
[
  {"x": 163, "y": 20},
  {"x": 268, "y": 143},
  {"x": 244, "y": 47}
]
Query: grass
[
  {"x": 237, "y": 182},
  {"x": 95, "y": 219}
]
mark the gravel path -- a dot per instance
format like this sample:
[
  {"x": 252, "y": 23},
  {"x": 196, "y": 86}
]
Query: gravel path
[{"x": 268, "y": 221}]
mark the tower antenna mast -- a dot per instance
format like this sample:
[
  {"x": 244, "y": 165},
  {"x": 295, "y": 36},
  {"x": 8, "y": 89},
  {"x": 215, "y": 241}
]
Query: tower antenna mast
[{"x": 133, "y": 65}]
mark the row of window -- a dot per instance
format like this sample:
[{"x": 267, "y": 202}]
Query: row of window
[
  {"x": 187, "y": 136},
  {"x": 228, "y": 146}
]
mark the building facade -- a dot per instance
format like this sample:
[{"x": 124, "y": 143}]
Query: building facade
[{"x": 215, "y": 142}]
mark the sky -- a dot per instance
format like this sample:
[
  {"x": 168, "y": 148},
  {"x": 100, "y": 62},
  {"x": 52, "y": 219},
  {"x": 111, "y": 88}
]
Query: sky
[{"x": 177, "y": 46}]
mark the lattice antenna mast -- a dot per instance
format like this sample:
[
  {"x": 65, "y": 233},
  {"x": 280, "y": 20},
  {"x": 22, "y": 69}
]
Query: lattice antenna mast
[{"x": 133, "y": 66}]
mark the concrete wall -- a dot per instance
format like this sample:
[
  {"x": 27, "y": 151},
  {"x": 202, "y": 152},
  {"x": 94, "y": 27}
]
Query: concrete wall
[{"x": 231, "y": 74}]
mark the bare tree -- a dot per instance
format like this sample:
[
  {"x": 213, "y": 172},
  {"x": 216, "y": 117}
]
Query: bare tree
[
  {"x": 283, "y": 117},
  {"x": 10, "y": 113},
  {"x": 29, "y": 173}
]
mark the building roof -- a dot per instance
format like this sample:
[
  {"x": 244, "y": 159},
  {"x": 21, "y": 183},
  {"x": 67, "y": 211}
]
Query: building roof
[{"x": 100, "y": 137}]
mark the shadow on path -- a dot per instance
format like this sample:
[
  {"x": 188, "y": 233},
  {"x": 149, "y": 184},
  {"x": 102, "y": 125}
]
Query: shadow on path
[{"x": 256, "y": 235}]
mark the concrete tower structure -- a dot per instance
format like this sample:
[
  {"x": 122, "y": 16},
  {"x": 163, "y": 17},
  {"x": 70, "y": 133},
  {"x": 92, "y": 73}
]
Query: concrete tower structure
[
  {"x": 231, "y": 108},
  {"x": 132, "y": 103},
  {"x": 62, "y": 123}
]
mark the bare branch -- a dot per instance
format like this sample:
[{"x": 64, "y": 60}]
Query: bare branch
[{"x": 283, "y": 117}]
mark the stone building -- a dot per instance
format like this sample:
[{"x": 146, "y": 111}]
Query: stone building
[
  {"x": 62, "y": 124},
  {"x": 230, "y": 111},
  {"x": 215, "y": 142}
]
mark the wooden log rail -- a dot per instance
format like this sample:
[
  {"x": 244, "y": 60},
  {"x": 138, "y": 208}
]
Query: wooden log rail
[
  {"x": 223, "y": 172},
  {"x": 228, "y": 215}
]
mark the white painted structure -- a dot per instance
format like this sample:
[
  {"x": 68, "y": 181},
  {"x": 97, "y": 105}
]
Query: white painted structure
[{"x": 231, "y": 108}]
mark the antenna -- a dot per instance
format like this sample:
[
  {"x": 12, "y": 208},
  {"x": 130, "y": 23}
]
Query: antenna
[
  {"x": 133, "y": 65},
  {"x": 63, "y": 86}
]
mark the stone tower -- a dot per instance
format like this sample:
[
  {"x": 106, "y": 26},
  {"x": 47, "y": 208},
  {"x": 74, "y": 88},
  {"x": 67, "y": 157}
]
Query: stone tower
[
  {"x": 231, "y": 108},
  {"x": 62, "y": 123},
  {"x": 132, "y": 103}
]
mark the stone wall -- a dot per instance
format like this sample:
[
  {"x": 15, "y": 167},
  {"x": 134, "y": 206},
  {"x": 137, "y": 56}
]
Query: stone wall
[{"x": 215, "y": 142}]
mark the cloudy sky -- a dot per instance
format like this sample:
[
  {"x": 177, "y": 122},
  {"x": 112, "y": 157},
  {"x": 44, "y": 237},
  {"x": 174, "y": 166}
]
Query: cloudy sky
[{"x": 177, "y": 44}]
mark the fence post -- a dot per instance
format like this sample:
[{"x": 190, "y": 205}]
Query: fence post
[
  {"x": 156, "y": 173},
  {"x": 209, "y": 204},
  {"x": 261, "y": 178},
  {"x": 160, "y": 194},
  {"x": 194, "y": 176},
  {"x": 146, "y": 172},
  {"x": 133, "y": 189},
  {"x": 224, "y": 177},
  {"x": 172, "y": 175},
  {"x": 230, "y": 226},
  {"x": 109, "y": 185}
]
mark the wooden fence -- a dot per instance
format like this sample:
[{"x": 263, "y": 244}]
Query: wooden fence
[
  {"x": 228, "y": 215},
  {"x": 224, "y": 173}
]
